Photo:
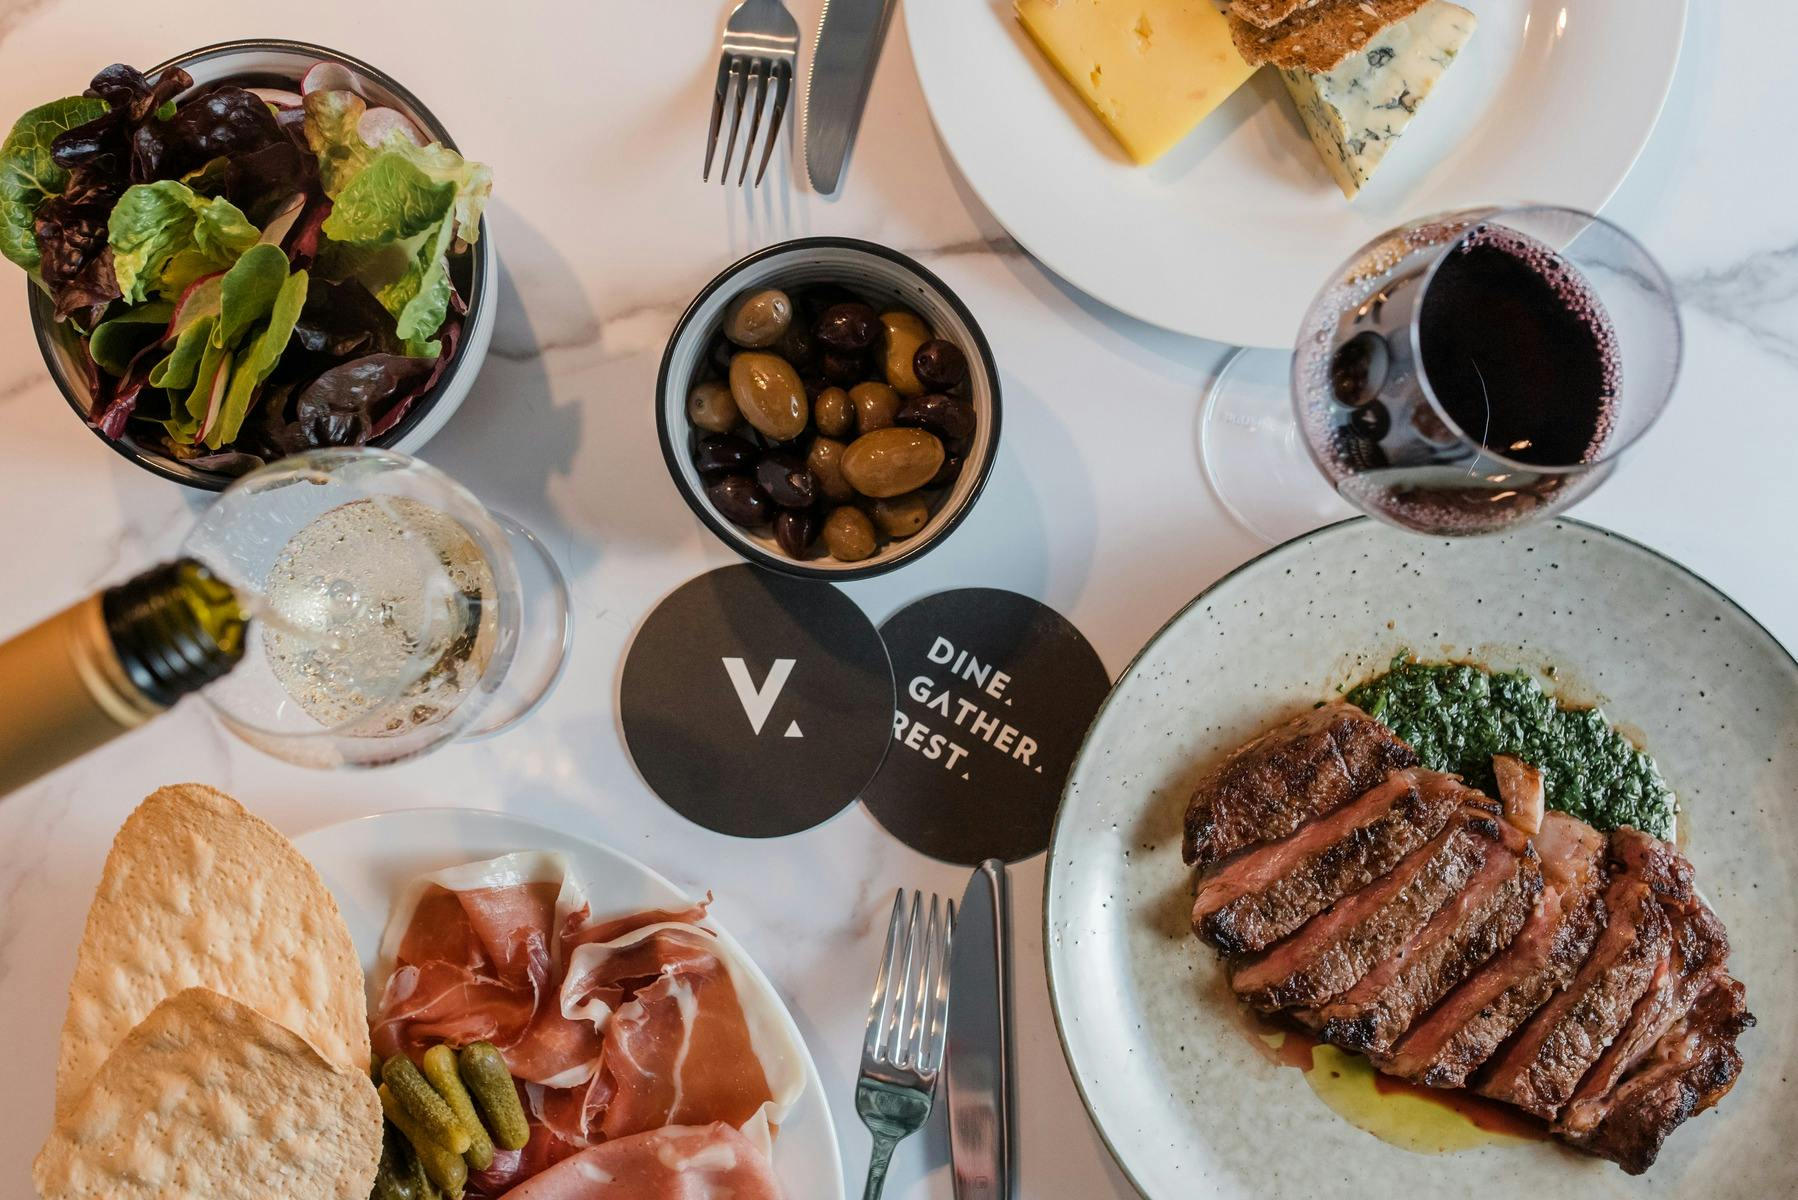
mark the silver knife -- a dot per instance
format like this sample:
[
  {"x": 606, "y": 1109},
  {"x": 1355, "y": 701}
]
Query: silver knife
[
  {"x": 848, "y": 46},
  {"x": 978, "y": 1066}
]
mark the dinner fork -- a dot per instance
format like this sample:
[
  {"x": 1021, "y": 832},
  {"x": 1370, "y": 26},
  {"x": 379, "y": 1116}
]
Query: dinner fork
[
  {"x": 908, "y": 1018},
  {"x": 761, "y": 41}
]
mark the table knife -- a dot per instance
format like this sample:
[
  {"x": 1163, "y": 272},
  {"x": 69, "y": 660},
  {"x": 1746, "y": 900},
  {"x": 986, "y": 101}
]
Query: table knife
[
  {"x": 978, "y": 1066},
  {"x": 843, "y": 58}
]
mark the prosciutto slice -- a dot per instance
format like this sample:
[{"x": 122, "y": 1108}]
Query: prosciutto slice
[{"x": 707, "y": 1162}]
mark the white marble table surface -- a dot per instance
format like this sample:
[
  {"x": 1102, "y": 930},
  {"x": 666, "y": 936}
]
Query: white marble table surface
[{"x": 591, "y": 115}]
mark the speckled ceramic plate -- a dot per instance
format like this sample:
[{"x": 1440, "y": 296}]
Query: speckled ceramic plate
[{"x": 1161, "y": 1051}]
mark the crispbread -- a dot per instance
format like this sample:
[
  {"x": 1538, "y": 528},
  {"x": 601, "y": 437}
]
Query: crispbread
[
  {"x": 1321, "y": 36},
  {"x": 1267, "y": 13},
  {"x": 197, "y": 892},
  {"x": 208, "y": 1098}
]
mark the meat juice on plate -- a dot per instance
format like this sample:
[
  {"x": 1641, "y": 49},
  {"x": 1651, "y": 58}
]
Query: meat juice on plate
[{"x": 1465, "y": 399}]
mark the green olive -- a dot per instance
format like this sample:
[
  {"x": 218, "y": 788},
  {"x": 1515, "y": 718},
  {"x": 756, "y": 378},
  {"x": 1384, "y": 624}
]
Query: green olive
[
  {"x": 769, "y": 395},
  {"x": 826, "y": 461},
  {"x": 833, "y": 412},
  {"x": 849, "y": 534},
  {"x": 711, "y": 407},
  {"x": 902, "y": 332},
  {"x": 758, "y": 319},
  {"x": 876, "y": 405},
  {"x": 891, "y": 462},
  {"x": 900, "y": 516}
]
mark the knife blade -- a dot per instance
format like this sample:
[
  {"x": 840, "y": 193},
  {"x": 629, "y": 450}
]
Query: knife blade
[
  {"x": 842, "y": 68},
  {"x": 978, "y": 1066}
]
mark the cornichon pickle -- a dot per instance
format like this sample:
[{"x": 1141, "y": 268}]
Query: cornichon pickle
[
  {"x": 394, "y": 1178},
  {"x": 483, "y": 1069},
  {"x": 440, "y": 1069},
  {"x": 443, "y": 1168},
  {"x": 374, "y": 1068},
  {"x": 428, "y": 1110}
]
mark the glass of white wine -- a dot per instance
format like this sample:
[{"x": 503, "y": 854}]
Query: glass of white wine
[{"x": 390, "y": 611}]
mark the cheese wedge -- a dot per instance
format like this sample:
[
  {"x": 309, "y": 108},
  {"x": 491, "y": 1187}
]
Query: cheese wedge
[
  {"x": 1150, "y": 69},
  {"x": 1357, "y": 110}
]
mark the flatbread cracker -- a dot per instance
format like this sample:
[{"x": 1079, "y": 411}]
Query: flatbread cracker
[
  {"x": 197, "y": 892},
  {"x": 1267, "y": 13},
  {"x": 1319, "y": 38},
  {"x": 208, "y": 1098}
]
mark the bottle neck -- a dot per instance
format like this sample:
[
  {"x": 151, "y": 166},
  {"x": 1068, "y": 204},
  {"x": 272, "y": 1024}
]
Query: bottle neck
[{"x": 175, "y": 628}]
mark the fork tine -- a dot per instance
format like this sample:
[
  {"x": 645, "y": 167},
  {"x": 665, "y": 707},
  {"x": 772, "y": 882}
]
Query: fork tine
[
  {"x": 736, "y": 117},
  {"x": 939, "y": 994},
  {"x": 758, "y": 75},
  {"x": 711, "y": 137},
  {"x": 881, "y": 1002},
  {"x": 927, "y": 972},
  {"x": 783, "y": 84},
  {"x": 894, "y": 1040}
]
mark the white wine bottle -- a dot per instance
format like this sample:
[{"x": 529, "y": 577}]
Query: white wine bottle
[{"x": 111, "y": 662}]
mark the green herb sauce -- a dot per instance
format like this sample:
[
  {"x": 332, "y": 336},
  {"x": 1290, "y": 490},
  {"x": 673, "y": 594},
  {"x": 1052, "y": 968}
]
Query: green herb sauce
[{"x": 1457, "y": 717}]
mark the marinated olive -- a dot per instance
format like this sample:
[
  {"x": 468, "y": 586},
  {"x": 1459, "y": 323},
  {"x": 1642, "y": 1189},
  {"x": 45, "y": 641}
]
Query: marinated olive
[
  {"x": 798, "y": 346},
  {"x": 876, "y": 405},
  {"x": 768, "y": 392},
  {"x": 903, "y": 333},
  {"x": 758, "y": 319},
  {"x": 900, "y": 516},
  {"x": 948, "y": 472},
  {"x": 739, "y": 500},
  {"x": 842, "y": 368},
  {"x": 719, "y": 354},
  {"x": 710, "y": 406},
  {"x": 851, "y": 327},
  {"x": 796, "y": 529},
  {"x": 723, "y": 454},
  {"x": 890, "y": 462},
  {"x": 949, "y": 416},
  {"x": 825, "y": 460},
  {"x": 833, "y": 412},
  {"x": 849, "y": 534},
  {"x": 939, "y": 364},
  {"x": 787, "y": 480}
]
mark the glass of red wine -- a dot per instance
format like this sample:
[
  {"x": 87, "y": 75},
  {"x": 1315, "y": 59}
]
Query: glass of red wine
[{"x": 1460, "y": 375}]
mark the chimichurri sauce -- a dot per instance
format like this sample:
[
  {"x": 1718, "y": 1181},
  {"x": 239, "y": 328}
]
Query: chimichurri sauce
[{"x": 1457, "y": 717}]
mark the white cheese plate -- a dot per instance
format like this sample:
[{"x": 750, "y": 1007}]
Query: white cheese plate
[{"x": 1231, "y": 234}]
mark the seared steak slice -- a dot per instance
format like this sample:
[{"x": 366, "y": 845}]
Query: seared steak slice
[
  {"x": 1690, "y": 1068},
  {"x": 1462, "y": 1032},
  {"x": 1334, "y": 949},
  {"x": 1539, "y": 1070},
  {"x": 1277, "y": 782},
  {"x": 1465, "y": 932},
  {"x": 1259, "y": 897}
]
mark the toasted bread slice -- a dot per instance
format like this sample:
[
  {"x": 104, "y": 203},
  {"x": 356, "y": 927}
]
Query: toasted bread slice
[
  {"x": 1321, "y": 36},
  {"x": 1265, "y": 14}
]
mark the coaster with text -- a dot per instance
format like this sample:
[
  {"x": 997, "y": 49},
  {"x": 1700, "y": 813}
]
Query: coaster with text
[
  {"x": 754, "y": 704},
  {"x": 996, "y": 691}
]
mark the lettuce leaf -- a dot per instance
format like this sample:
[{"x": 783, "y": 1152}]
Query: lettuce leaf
[
  {"x": 118, "y": 339},
  {"x": 331, "y": 118},
  {"x": 391, "y": 200},
  {"x": 248, "y": 292},
  {"x": 165, "y": 236},
  {"x": 29, "y": 175},
  {"x": 256, "y": 360}
]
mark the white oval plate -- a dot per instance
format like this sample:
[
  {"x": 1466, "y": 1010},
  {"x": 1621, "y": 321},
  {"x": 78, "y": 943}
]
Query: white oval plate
[
  {"x": 368, "y": 861},
  {"x": 1233, "y": 232},
  {"x": 1153, "y": 1037}
]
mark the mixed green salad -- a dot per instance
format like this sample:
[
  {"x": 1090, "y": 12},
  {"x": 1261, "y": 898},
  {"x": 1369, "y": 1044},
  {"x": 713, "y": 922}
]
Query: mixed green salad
[{"x": 250, "y": 271}]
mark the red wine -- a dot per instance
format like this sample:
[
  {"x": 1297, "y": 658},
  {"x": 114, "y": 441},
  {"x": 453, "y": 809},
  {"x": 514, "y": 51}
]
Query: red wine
[{"x": 1519, "y": 351}]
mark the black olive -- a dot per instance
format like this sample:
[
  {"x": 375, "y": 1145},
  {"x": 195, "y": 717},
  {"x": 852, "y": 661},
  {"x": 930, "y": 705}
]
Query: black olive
[
  {"x": 853, "y": 327},
  {"x": 939, "y": 365},
  {"x": 947, "y": 473},
  {"x": 845, "y": 370},
  {"x": 719, "y": 354},
  {"x": 787, "y": 481},
  {"x": 946, "y": 415},
  {"x": 798, "y": 346},
  {"x": 722, "y": 453},
  {"x": 796, "y": 529},
  {"x": 739, "y": 501}
]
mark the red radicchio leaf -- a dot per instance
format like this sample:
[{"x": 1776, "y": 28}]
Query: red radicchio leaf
[
  {"x": 448, "y": 337},
  {"x": 224, "y": 121},
  {"x": 338, "y": 408},
  {"x": 341, "y": 319},
  {"x": 302, "y": 239}
]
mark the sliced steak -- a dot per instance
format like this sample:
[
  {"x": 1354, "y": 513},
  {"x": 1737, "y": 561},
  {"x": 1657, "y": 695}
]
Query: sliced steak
[
  {"x": 1268, "y": 788},
  {"x": 1691, "y": 1067},
  {"x": 1264, "y": 894},
  {"x": 1458, "y": 1035},
  {"x": 1476, "y": 924},
  {"x": 1540, "y": 1068},
  {"x": 1334, "y": 949}
]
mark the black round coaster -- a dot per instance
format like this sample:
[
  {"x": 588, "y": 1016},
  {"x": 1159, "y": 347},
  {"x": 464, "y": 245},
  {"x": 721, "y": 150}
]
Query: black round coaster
[
  {"x": 755, "y": 704},
  {"x": 995, "y": 694}
]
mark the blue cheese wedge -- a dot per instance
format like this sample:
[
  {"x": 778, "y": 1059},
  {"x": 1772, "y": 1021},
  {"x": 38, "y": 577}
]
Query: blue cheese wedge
[{"x": 1358, "y": 109}]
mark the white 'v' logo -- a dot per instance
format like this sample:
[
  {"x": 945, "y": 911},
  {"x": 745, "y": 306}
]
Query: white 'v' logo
[{"x": 759, "y": 702}]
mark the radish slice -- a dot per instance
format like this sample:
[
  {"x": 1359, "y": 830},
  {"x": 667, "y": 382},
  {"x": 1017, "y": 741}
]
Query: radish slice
[
  {"x": 275, "y": 232},
  {"x": 328, "y": 77},
  {"x": 277, "y": 97},
  {"x": 379, "y": 124},
  {"x": 215, "y": 404}
]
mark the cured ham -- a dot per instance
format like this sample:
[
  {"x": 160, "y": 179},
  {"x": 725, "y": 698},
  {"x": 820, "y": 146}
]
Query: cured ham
[{"x": 631, "y": 1036}]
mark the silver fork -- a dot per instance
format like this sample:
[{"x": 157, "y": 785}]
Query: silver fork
[
  {"x": 908, "y": 1019},
  {"x": 761, "y": 41}
]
